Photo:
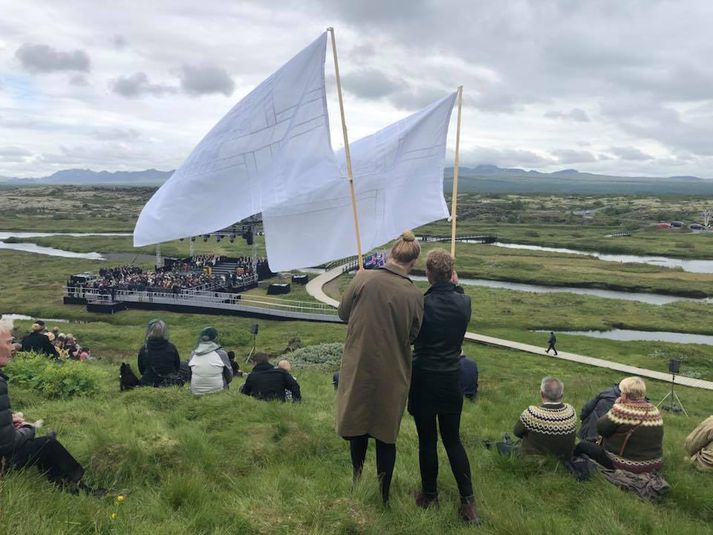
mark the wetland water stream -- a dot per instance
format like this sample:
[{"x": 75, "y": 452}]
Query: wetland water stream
[
  {"x": 630, "y": 335},
  {"x": 698, "y": 266},
  {"x": 690, "y": 265}
]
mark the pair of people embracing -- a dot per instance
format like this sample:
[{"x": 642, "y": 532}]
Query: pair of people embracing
[{"x": 385, "y": 314}]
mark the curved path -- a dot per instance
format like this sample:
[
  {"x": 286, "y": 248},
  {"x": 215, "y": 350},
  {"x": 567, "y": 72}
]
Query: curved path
[{"x": 314, "y": 288}]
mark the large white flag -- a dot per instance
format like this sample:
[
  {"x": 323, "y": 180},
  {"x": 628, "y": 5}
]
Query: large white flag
[
  {"x": 258, "y": 156},
  {"x": 398, "y": 177}
]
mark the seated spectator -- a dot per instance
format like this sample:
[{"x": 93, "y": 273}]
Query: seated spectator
[
  {"x": 268, "y": 382},
  {"x": 209, "y": 363},
  {"x": 159, "y": 362},
  {"x": 551, "y": 427},
  {"x": 85, "y": 354},
  {"x": 632, "y": 432},
  {"x": 20, "y": 448},
  {"x": 285, "y": 365},
  {"x": 234, "y": 365},
  {"x": 594, "y": 409},
  {"x": 468, "y": 377},
  {"x": 335, "y": 380},
  {"x": 699, "y": 445},
  {"x": 38, "y": 342},
  {"x": 71, "y": 347}
]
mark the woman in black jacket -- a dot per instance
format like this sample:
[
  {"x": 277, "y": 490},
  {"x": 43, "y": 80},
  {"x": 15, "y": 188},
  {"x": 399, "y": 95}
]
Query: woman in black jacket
[
  {"x": 435, "y": 394},
  {"x": 159, "y": 362}
]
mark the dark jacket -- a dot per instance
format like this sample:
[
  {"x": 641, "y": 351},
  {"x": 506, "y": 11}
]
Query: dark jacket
[
  {"x": 39, "y": 343},
  {"x": 552, "y": 340},
  {"x": 268, "y": 382},
  {"x": 468, "y": 377},
  {"x": 594, "y": 409},
  {"x": 11, "y": 439},
  {"x": 158, "y": 359},
  {"x": 446, "y": 313}
]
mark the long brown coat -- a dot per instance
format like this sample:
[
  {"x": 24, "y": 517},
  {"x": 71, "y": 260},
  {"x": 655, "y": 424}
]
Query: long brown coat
[
  {"x": 383, "y": 310},
  {"x": 699, "y": 445}
]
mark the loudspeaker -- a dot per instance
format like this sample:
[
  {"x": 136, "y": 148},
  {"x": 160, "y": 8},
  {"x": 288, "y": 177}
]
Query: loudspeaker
[
  {"x": 674, "y": 365},
  {"x": 254, "y": 328}
]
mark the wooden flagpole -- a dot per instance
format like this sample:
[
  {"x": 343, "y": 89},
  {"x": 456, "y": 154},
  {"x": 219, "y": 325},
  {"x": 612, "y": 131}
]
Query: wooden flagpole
[
  {"x": 454, "y": 196},
  {"x": 347, "y": 154}
]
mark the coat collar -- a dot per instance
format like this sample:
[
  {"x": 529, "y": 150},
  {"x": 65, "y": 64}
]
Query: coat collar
[
  {"x": 441, "y": 287},
  {"x": 263, "y": 366},
  {"x": 396, "y": 270}
]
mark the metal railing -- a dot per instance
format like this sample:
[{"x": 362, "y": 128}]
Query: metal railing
[{"x": 223, "y": 300}]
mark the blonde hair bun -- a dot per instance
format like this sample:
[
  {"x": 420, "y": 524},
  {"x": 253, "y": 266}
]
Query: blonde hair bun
[{"x": 408, "y": 235}]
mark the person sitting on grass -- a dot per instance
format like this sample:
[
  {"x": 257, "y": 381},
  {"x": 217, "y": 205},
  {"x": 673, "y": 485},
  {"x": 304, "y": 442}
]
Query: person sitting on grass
[
  {"x": 285, "y": 365},
  {"x": 234, "y": 364},
  {"x": 594, "y": 409},
  {"x": 209, "y": 363},
  {"x": 20, "y": 448},
  {"x": 632, "y": 432},
  {"x": 38, "y": 342},
  {"x": 159, "y": 362},
  {"x": 699, "y": 445},
  {"x": 268, "y": 382},
  {"x": 549, "y": 428}
]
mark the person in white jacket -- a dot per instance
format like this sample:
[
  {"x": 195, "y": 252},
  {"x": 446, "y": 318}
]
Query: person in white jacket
[{"x": 209, "y": 364}]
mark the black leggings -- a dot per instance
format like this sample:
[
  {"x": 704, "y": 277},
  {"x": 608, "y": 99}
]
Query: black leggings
[
  {"x": 50, "y": 457},
  {"x": 385, "y": 461},
  {"x": 449, "y": 425},
  {"x": 595, "y": 453}
]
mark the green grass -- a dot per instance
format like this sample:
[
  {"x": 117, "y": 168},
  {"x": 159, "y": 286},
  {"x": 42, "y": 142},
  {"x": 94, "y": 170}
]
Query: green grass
[{"x": 230, "y": 464}]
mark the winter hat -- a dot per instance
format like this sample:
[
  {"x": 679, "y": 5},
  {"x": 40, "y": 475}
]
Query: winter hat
[{"x": 209, "y": 334}]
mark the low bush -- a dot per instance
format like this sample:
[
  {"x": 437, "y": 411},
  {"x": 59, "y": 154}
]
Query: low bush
[
  {"x": 51, "y": 379},
  {"x": 320, "y": 355}
]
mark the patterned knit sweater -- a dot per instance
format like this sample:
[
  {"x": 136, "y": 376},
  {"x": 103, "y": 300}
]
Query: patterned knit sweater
[
  {"x": 643, "y": 452},
  {"x": 548, "y": 429}
]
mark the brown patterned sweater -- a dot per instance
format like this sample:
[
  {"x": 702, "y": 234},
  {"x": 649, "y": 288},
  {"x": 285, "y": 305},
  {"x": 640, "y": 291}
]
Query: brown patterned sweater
[
  {"x": 548, "y": 429},
  {"x": 643, "y": 452}
]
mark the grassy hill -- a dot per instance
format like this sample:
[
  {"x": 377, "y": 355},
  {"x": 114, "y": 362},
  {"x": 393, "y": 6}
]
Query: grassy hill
[{"x": 226, "y": 463}]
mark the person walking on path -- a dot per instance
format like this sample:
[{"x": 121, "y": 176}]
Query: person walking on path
[
  {"x": 383, "y": 311},
  {"x": 436, "y": 396},
  {"x": 552, "y": 340}
]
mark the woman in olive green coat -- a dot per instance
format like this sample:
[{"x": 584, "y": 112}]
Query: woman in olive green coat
[{"x": 383, "y": 310}]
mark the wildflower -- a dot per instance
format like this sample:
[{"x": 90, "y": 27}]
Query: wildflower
[
  {"x": 120, "y": 498},
  {"x": 113, "y": 516}
]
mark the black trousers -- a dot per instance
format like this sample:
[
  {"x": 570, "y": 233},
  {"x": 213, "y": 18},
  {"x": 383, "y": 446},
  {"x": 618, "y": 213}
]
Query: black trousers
[
  {"x": 449, "y": 425},
  {"x": 50, "y": 457},
  {"x": 595, "y": 453},
  {"x": 551, "y": 346},
  {"x": 385, "y": 461}
]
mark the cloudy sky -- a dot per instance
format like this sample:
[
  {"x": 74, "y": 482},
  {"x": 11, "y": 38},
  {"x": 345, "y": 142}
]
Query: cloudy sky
[{"x": 600, "y": 85}]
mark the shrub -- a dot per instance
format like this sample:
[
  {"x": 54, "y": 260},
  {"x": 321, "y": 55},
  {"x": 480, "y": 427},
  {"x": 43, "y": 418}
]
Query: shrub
[
  {"x": 320, "y": 355},
  {"x": 52, "y": 379}
]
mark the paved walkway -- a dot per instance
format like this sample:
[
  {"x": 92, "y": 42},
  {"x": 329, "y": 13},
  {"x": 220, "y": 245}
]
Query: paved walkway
[{"x": 314, "y": 288}]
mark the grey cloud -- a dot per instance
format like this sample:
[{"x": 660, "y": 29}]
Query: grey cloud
[
  {"x": 45, "y": 59},
  {"x": 115, "y": 134},
  {"x": 575, "y": 114},
  {"x": 568, "y": 156},
  {"x": 79, "y": 80},
  {"x": 505, "y": 157},
  {"x": 206, "y": 79},
  {"x": 370, "y": 83},
  {"x": 137, "y": 85},
  {"x": 13, "y": 154},
  {"x": 630, "y": 153}
]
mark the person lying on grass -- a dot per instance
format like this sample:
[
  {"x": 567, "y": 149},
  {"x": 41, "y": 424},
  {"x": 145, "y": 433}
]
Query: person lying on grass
[{"x": 19, "y": 447}]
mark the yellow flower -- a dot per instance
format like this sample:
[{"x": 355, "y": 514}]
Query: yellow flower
[
  {"x": 114, "y": 516},
  {"x": 120, "y": 498}
]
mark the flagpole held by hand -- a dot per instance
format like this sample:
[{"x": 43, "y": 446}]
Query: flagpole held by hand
[
  {"x": 347, "y": 155},
  {"x": 454, "y": 196}
]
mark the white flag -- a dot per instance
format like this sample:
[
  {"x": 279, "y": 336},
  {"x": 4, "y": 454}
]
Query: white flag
[
  {"x": 398, "y": 177},
  {"x": 256, "y": 157}
]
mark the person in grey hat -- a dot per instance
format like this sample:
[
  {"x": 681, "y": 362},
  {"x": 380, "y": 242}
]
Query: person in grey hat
[{"x": 209, "y": 363}]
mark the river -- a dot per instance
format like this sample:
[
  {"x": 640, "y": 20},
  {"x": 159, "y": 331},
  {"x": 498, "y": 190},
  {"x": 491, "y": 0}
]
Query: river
[
  {"x": 51, "y": 251},
  {"x": 630, "y": 335}
]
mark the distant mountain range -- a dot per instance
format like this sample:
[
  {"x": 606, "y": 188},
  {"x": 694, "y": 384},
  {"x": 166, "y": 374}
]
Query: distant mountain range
[{"x": 480, "y": 179}]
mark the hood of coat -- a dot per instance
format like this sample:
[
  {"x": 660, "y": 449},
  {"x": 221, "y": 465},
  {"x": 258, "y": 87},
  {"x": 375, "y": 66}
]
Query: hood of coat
[
  {"x": 156, "y": 343},
  {"x": 206, "y": 347}
]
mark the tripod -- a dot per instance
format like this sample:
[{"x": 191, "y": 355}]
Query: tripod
[{"x": 674, "y": 404}]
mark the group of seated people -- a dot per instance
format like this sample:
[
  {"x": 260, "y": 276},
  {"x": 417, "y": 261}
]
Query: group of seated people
[
  {"x": 210, "y": 368},
  {"x": 53, "y": 343},
  {"x": 620, "y": 429},
  {"x": 135, "y": 279}
]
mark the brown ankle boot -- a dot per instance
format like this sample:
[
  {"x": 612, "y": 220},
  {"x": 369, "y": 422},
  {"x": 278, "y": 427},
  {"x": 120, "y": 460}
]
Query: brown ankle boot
[
  {"x": 424, "y": 501},
  {"x": 469, "y": 514}
]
